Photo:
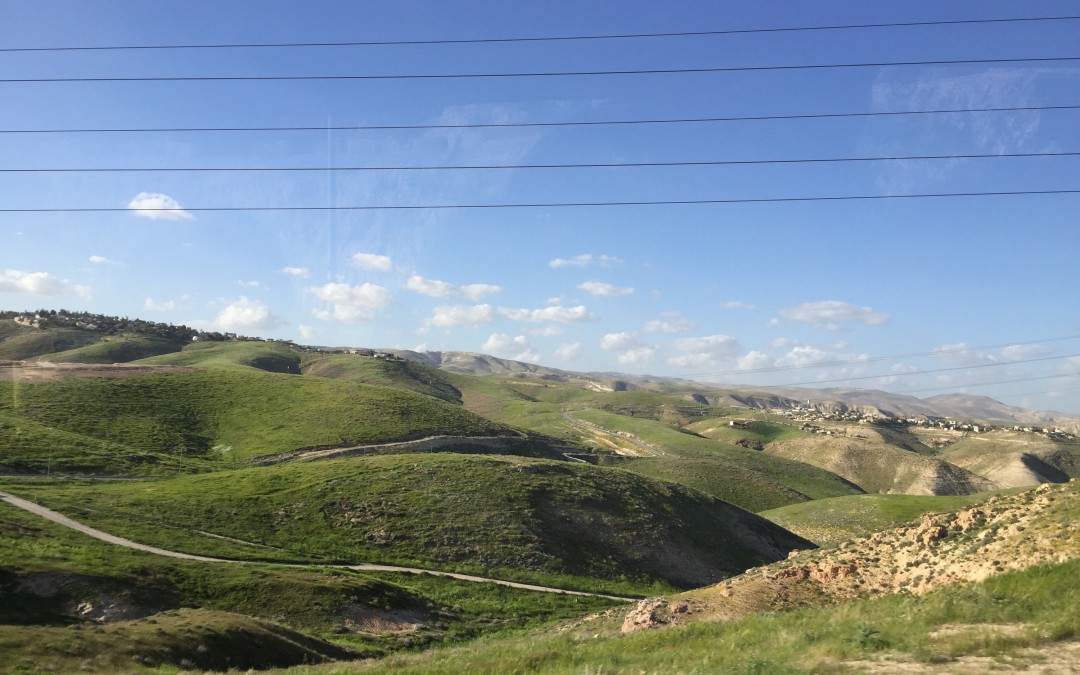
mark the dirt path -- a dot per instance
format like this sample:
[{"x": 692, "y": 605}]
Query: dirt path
[
  {"x": 642, "y": 445},
  {"x": 60, "y": 519}
]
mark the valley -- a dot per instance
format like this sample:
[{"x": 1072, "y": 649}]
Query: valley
[{"x": 374, "y": 502}]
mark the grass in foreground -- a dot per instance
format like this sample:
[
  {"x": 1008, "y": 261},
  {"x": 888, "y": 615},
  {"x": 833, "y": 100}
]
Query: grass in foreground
[{"x": 1040, "y": 603}]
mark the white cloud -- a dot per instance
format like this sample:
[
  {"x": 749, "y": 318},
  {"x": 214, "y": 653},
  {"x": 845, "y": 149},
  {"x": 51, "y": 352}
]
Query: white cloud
[
  {"x": 156, "y": 206},
  {"x": 830, "y": 314},
  {"x": 674, "y": 326},
  {"x": 804, "y": 355},
  {"x": 351, "y": 303},
  {"x": 249, "y": 284},
  {"x": 246, "y": 314},
  {"x": 101, "y": 260},
  {"x": 960, "y": 354},
  {"x": 783, "y": 343},
  {"x": 638, "y": 355},
  {"x": 736, "y": 304},
  {"x": 39, "y": 283},
  {"x": 1023, "y": 352},
  {"x": 586, "y": 260},
  {"x": 450, "y": 316},
  {"x": 705, "y": 351},
  {"x": 554, "y": 313},
  {"x": 568, "y": 352},
  {"x": 619, "y": 341},
  {"x": 631, "y": 351},
  {"x": 477, "y": 292},
  {"x": 601, "y": 289},
  {"x": 753, "y": 360},
  {"x": 373, "y": 261},
  {"x": 167, "y": 306},
  {"x": 307, "y": 332},
  {"x": 301, "y": 272},
  {"x": 429, "y": 287},
  {"x": 546, "y": 331},
  {"x": 515, "y": 348}
]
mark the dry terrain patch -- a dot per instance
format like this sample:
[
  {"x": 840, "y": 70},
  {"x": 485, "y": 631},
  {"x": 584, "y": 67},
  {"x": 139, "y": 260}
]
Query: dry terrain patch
[{"x": 46, "y": 371}]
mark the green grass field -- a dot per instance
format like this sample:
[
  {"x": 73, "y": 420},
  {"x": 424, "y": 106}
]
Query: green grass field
[{"x": 555, "y": 523}]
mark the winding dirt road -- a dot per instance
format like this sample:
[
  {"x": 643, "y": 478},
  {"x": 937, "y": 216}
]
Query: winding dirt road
[{"x": 61, "y": 519}]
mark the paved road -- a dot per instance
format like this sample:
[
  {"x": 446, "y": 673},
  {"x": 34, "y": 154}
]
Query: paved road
[{"x": 61, "y": 519}]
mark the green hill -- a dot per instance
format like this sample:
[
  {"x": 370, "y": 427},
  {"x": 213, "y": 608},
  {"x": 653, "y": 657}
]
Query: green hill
[
  {"x": 19, "y": 342},
  {"x": 392, "y": 373},
  {"x": 117, "y": 350},
  {"x": 199, "y": 419},
  {"x": 546, "y": 521},
  {"x": 69, "y": 602}
]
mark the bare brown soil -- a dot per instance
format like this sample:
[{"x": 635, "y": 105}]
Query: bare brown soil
[{"x": 46, "y": 371}]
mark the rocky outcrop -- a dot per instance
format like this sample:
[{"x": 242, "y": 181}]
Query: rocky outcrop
[{"x": 1002, "y": 534}]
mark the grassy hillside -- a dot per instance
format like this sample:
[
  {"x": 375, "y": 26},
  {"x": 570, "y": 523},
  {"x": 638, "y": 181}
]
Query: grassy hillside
[
  {"x": 1015, "y": 459},
  {"x": 992, "y": 580},
  {"x": 827, "y": 522},
  {"x": 20, "y": 342},
  {"x": 117, "y": 350},
  {"x": 876, "y": 466},
  {"x": 748, "y": 478},
  {"x": 911, "y": 634},
  {"x": 274, "y": 357},
  {"x": 399, "y": 374},
  {"x": 58, "y": 587},
  {"x": 551, "y": 522},
  {"x": 200, "y": 419},
  {"x": 744, "y": 477}
]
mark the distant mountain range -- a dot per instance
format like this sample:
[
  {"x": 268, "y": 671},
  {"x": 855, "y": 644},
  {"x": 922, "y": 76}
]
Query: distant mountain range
[{"x": 967, "y": 407}]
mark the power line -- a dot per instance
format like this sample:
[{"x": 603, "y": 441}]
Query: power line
[
  {"x": 514, "y": 125},
  {"x": 873, "y": 359},
  {"x": 986, "y": 384},
  {"x": 921, "y": 372},
  {"x": 578, "y": 73},
  {"x": 420, "y": 207},
  {"x": 562, "y": 38},
  {"x": 487, "y": 167}
]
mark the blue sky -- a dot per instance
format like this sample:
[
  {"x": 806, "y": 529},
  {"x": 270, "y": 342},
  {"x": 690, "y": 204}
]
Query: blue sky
[{"x": 740, "y": 293}]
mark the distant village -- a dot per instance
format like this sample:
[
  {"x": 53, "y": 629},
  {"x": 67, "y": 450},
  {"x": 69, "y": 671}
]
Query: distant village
[{"x": 808, "y": 414}]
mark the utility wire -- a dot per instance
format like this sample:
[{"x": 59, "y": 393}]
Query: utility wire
[
  {"x": 421, "y": 207},
  {"x": 873, "y": 359},
  {"x": 557, "y": 38},
  {"x": 578, "y": 73},
  {"x": 514, "y": 125},
  {"x": 487, "y": 167},
  {"x": 985, "y": 384},
  {"x": 921, "y": 372}
]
